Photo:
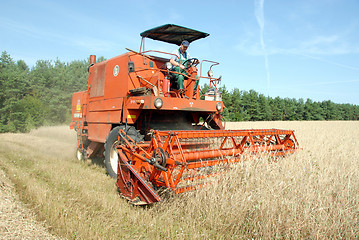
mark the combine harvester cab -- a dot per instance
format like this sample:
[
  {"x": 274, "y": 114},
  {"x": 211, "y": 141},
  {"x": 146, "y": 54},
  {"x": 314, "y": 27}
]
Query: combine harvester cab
[{"x": 152, "y": 136}]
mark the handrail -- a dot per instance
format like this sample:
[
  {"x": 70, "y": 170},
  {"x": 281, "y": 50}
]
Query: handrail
[
  {"x": 214, "y": 63},
  {"x": 213, "y": 81}
]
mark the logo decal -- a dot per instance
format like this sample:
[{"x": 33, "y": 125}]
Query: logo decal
[{"x": 116, "y": 70}]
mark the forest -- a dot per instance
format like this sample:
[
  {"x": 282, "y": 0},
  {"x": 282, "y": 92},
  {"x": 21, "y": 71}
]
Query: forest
[{"x": 30, "y": 98}]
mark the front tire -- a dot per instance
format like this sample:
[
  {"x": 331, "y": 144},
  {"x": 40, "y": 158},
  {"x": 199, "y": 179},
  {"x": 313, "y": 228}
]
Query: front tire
[{"x": 111, "y": 154}]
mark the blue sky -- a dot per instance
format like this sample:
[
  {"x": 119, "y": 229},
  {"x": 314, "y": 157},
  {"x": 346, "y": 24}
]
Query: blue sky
[{"x": 291, "y": 49}]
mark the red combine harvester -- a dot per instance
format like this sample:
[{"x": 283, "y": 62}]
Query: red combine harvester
[{"x": 152, "y": 137}]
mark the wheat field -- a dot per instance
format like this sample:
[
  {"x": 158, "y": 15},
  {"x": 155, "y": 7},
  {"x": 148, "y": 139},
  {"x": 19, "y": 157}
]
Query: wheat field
[{"x": 312, "y": 194}]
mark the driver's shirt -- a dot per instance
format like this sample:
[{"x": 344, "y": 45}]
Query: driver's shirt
[{"x": 179, "y": 55}]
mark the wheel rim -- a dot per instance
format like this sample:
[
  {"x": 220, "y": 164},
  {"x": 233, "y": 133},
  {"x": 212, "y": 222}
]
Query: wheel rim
[
  {"x": 114, "y": 157},
  {"x": 79, "y": 155}
]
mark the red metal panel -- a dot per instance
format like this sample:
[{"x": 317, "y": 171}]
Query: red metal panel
[
  {"x": 104, "y": 117},
  {"x": 97, "y": 76},
  {"x": 116, "y": 77},
  {"x": 98, "y": 132},
  {"x": 171, "y": 103},
  {"x": 78, "y": 109},
  {"x": 106, "y": 104},
  {"x": 131, "y": 115},
  {"x": 148, "y": 69},
  {"x": 78, "y": 102}
]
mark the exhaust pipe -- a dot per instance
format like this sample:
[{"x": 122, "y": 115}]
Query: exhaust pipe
[
  {"x": 92, "y": 59},
  {"x": 92, "y": 62}
]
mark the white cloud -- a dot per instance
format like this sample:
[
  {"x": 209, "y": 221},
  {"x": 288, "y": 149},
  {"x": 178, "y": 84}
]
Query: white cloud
[
  {"x": 60, "y": 38},
  {"x": 316, "y": 46},
  {"x": 259, "y": 13},
  {"x": 324, "y": 45},
  {"x": 92, "y": 44}
]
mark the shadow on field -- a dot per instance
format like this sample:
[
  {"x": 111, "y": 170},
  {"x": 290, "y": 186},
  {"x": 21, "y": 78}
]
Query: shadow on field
[{"x": 98, "y": 161}]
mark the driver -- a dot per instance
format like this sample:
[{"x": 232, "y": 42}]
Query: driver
[{"x": 181, "y": 53}]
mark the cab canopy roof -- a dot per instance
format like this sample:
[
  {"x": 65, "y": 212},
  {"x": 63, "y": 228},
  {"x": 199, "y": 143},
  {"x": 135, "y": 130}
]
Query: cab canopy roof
[{"x": 175, "y": 34}]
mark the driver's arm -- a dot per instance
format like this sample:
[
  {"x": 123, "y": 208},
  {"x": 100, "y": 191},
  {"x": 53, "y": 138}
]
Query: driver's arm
[{"x": 176, "y": 64}]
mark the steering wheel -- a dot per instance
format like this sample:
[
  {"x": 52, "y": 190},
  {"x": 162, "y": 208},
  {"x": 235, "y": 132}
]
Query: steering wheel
[{"x": 191, "y": 59}]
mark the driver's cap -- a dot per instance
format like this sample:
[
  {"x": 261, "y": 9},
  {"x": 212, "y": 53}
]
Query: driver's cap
[{"x": 185, "y": 43}]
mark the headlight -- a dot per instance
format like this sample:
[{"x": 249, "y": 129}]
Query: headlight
[
  {"x": 219, "y": 106},
  {"x": 210, "y": 73},
  {"x": 158, "y": 103},
  {"x": 168, "y": 65}
]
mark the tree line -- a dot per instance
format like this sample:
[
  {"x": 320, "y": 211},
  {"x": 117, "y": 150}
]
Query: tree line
[
  {"x": 253, "y": 106},
  {"x": 30, "y": 98}
]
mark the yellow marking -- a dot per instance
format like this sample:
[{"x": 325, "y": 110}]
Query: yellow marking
[
  {"x": 131, "y": 116},
  {"x": 78, "y": 108}
]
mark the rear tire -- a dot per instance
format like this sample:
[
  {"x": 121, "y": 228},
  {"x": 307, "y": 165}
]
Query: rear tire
[
  {"x": 111, "y": 154},
  {"x": 80, "y": 155}
]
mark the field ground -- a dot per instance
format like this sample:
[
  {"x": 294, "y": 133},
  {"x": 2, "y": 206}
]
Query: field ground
[
  {"x": 310, "y": 194},
  {"x": 16, "y": 220}
]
